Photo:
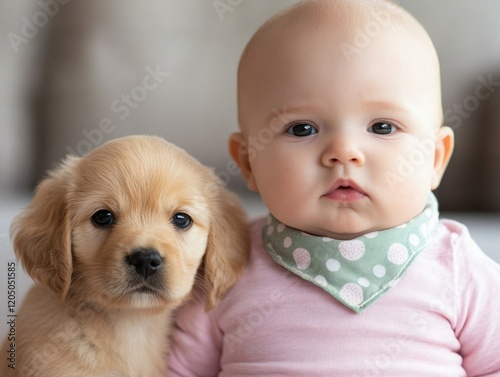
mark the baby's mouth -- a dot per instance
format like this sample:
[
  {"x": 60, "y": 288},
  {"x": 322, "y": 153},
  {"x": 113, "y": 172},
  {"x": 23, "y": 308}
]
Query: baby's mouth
[{"x": 345, "y": 191}]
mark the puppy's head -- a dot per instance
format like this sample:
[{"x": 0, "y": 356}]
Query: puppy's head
[{"x": 130, "y": 225}]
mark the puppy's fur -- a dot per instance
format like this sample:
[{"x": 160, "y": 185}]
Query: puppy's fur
[{"x": 108, "y": 281}]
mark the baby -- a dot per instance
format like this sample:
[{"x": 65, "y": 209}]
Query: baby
[{"x": 352, "y": 273}]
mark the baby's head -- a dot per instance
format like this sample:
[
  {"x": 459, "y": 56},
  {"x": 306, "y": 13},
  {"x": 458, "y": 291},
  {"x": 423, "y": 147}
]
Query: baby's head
[{"x": 339, "y": 107}]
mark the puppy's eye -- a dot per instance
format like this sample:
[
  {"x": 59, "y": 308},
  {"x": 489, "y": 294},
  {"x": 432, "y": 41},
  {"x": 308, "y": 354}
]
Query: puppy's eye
[
  {"x": 103, "y": 218},
  {"x": 182, "y": 220}
]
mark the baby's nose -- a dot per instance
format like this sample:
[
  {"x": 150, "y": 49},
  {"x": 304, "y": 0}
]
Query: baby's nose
[{"x": 343, "y": 150}]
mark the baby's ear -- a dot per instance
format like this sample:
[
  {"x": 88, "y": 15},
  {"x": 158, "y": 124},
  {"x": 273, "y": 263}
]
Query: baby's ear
[
  {"x": 241, "y": 155},
  {"x": 42, "y": 236},
  {"x": 445, "y": 141}
]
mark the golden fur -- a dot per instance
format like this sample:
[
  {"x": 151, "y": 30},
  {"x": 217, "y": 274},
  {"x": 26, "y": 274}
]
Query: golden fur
[{"x": 91, "y": 313}]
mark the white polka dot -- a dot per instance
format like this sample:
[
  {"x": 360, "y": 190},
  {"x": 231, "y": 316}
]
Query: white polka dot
[
  {"x": 352, "y": 293},
  {"x": 281, "y": 227},
  {"x": 397, "y": 254},
  {"x": 379, "y": 271},
  {"x": 428, "y": 212},
  {"x": 414, "y": 240},
  {"x": 364, "y": 282},
  {"x": 306, "y": 234},
  {"x": 333, "y": 265},
  {"x": 327, "y": 239},
  {"x": 270, "y": 230},
  {"x": 352, "y": 250},
  {"x": 423, "y": 229},
  {"x": 371, "y": 235},
  {"x": 302, "y": 258},
  {"x": 287, "y": 242},
  {"x": 401, "y": 226},
  {"x": 321, "y": 280},
  {"x": 269, "y": 220}
]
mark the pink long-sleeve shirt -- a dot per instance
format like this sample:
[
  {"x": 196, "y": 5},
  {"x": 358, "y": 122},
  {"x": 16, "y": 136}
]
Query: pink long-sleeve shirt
[{"x": 441, "y": 319}]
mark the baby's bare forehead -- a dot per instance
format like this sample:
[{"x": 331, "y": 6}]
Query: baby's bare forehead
[
  {"x": 338, "y": 31},
  {"x": 327, "y": 19},
  {"x": 329, "y": 32}
]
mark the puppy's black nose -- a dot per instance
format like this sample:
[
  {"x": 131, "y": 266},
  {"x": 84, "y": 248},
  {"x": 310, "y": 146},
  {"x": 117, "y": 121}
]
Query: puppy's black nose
[{"x": 145, "y": 261}]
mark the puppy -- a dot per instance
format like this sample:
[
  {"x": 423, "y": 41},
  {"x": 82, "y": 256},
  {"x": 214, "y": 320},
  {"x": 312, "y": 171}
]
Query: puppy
[{"x": 116, "y": 241}]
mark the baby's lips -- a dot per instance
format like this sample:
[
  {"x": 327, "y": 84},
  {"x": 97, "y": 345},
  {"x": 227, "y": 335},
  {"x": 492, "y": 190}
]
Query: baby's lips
[
  {"x": 345, "y": 189},
  {"x": 346, "y": 183}
]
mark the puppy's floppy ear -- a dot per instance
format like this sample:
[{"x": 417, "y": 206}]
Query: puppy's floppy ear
[
  {"x": 41, "y": 234},
  {"x": 228, "y": 246}
]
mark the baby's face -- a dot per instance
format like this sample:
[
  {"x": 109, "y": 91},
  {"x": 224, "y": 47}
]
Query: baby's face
[{"x": 341, "y": 145}]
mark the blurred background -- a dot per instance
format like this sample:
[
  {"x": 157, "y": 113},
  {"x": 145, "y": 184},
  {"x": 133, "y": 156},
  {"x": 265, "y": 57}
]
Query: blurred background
[{"x": 76, "y": 73}]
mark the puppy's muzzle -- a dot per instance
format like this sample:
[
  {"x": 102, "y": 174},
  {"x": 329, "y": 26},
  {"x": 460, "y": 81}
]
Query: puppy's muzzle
[{"x": 145, "y": 261}]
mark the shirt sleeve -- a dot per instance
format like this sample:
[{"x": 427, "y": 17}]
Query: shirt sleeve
[
  {"x": 477, "y": 286},
  {"x": 195, "y": 348}
]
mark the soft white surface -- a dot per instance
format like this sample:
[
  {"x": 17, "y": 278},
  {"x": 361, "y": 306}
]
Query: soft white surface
[{"x": 485, "y": 229}]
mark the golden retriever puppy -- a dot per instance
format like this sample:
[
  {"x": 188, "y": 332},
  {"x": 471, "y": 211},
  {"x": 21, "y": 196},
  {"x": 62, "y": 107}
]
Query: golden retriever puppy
[{"x": 115, "y": 241}]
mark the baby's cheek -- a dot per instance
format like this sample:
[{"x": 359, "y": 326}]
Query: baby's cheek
[{"x": 413, "y": 167}]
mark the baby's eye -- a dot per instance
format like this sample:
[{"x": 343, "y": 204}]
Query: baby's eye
[
  {"x": 382, "y": 128},
  {"x": 302, "y": 130}
]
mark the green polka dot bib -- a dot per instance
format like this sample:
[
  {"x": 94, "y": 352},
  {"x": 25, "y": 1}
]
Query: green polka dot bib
[{"x": 358, "y": 271}]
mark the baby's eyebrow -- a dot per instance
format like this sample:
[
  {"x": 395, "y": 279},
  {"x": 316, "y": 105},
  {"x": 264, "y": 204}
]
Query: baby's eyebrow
[
  {"x": 388, "y": 105},
  {"x": 283, "y": 112}
]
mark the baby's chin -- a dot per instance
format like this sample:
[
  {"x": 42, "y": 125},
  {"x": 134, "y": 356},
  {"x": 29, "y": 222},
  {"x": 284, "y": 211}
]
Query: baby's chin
[
  {"x": 343, "y": 225},
  {"x": 339, "y": 233},
  {"x": 346, "y": 232}
]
